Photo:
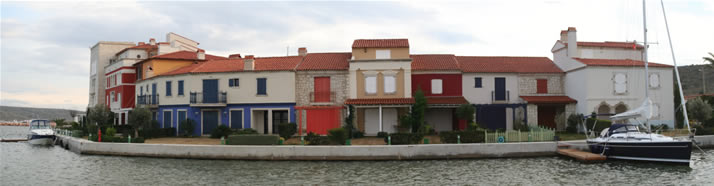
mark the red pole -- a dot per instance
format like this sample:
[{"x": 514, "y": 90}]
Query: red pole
[{"x": 99, "y": 136}]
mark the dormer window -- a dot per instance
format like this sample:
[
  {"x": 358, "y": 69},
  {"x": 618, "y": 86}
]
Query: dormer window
[{"x": 383, "y": 54}]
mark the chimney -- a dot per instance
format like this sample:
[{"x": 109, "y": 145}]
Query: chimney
[
  {"x": 572, "y": 42},
  {"x": 142, "y": 43},
  {"x": 564, "y": 36},
  {"x": 152, "y": 41},
  {"x": 234, "y": 56},
  {"x": 302, "y": 51},
  {"x": 248, "y": 62},
  {"x": 201, "y": 54}
]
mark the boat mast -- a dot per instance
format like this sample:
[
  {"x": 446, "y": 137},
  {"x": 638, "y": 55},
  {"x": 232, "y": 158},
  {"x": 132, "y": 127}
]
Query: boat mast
[
  {"x": 676, "y": 72},
  {"x": 647, "y": 78}
]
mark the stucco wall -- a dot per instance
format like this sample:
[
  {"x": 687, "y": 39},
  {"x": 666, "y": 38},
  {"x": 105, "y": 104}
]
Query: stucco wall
[
  {"x": 483, "y": 95},
  {"x": 356, "y": 77},
  {"x": 160, "y": 66},
  {"x": 370, "y": 53},
  {"x": 609, "y": 53}
]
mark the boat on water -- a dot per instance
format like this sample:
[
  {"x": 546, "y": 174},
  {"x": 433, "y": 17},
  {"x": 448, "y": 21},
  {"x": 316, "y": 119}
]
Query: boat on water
[
  {"x": 41, "y": 133},
  {"x": 629, "y": 142}
]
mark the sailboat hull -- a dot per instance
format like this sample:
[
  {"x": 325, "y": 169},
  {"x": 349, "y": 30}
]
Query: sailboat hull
[{"x": 673, "y": 152}]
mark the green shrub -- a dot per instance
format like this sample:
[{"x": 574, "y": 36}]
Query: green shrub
[
  {"x": 111, "y": 131},
  {"x": 77, "y": 133},
  {"x": 252, "y": 139},
  {"x": 601, "y": 124},
  {"x": 405, "y": 138},
  {"x": 573, "y": 121},
  {"x": 186, "y": 128},
  {"x": 702, "y": 130},
  {"x": 314, "y": 139},
  {"x": 125, "y": 130},
  {"x": 221, "y": 131},
  {"x": 92, "y": 129},
  {"x": 169, "y": 131},
  {"x": 382, "y": 134},
  {"x": 287, "y": 130},
  {"x": 475, "y": 136},
  {"x": 338, "y": 135},
  {"x": 246, "y": 131},
  {"x": 357, "y": 134}
]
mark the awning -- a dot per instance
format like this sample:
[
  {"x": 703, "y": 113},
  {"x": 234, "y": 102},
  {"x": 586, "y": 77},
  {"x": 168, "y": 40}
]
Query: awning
[
  {"x": 380, "y": 101},
  {"x": 548, "y": 99},
  {"x": 446, "y": 100}
]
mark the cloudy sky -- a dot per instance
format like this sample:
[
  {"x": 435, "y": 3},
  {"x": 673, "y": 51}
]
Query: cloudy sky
[{"x": 45, "y": 46}]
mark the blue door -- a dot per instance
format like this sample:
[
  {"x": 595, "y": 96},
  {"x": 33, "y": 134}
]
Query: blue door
[
  {"x": 500, "y": 89},
  {"x": 167, "y": 119},
  {"x": 210, "y": 121},
  {"x": 210, "y": 91},
  {"x": 236, "y": 119},
  {"x": 181, "y": 117},
  {"x": 153, "y": 94}
]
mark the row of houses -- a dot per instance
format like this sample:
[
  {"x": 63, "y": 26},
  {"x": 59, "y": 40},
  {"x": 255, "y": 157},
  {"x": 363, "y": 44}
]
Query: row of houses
[{"x": 177, "y": 80}]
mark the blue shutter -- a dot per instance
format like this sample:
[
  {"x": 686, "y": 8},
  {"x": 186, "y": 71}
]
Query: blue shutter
[
  {"x": 237, "y": 82},
  {"x": 261, "y": 86},
  {"x": 168, "y": 88},
  {"x": 180, "y": 87},
  {"x": 230, "y": 82},
  {"x": 477, "y": 82}
]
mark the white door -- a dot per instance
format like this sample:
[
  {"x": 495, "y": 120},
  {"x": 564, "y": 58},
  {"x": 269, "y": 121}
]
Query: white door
[
  {"x": 371, "y": 121},
  {"x": 389, "y": 120}
]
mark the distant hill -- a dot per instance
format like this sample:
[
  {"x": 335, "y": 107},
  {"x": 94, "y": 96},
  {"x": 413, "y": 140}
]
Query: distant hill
[
  {"x": 8, "y": 113},
  {"x": 692, "y": 79}
]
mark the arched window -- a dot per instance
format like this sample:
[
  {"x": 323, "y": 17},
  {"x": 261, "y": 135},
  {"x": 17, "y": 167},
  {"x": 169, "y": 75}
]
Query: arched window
[
  {"x": 603, "y": 109},
  {"x": 620, "y": 108}
]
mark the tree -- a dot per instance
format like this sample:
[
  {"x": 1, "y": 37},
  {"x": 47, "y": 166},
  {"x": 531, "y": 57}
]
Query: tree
[
  {"x": 100, "y": 115},
  {"x": 349, "y": 121},
  {"x": 415, "y": 118},
  {"x": 138, "y": 118},
  {"x": 466, "y": 112},
  {"x": 709, "y": 59},
  {"x": 699, "y": 109}
]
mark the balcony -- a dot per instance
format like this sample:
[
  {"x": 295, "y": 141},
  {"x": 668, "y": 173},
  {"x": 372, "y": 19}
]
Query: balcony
[
  {"x": 151, "y": 100},
  {"x": 199, "y": 99},
  {"x": 505, "y": 99},
  {"x": 322, "y": 98}
]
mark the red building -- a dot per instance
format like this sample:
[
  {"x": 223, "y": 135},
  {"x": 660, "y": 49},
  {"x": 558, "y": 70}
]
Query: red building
[
  {"x": 438, "y": 76},
  {"x": 121, "y": 76}
]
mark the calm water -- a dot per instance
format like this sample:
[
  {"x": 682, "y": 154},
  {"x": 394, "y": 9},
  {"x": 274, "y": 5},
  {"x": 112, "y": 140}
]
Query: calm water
[{"x": 22, "y": 164}]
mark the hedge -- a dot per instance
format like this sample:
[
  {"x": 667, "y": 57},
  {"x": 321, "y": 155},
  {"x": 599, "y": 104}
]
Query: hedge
[
  {"x": 112, "y": 139},
  {"x": 405, "y": 138},
  {"x": 287, "y": 130},
  {"x": 252, "y": 139},
  {"x": 314, "y": 139},
  {"x": 474, "y": 136},
  {"x": 601, "y": 124}
]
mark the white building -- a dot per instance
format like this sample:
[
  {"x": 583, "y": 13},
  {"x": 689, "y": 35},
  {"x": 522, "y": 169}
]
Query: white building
[
  {"x": 101, "y": 53},
  {"x": 608, "y": 77}
]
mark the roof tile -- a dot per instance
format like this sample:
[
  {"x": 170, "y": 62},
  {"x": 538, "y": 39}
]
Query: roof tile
[
  {"x": 548, "y": 99},
  {"x": 381, "y": 43},
  {"x": 325, "y": 61},
  {"x": 494, "y": 64},
  {"x": 609, "y": 44},
  {"x": 434, "y": 62},
  {"x": 380, "y": 101},
  {"x": 443, "y": 100},
  {"x": 618, "y": 62},
  {"x": 185, "y": 55},
  {"x": 276, "y": 63}
]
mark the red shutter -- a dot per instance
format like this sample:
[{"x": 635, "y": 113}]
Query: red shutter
[
  {"x": 542, "y": 86},
  {"x": 322, "y": 89}
]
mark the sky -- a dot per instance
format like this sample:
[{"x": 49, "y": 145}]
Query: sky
[{"x": 45, "y": 55}]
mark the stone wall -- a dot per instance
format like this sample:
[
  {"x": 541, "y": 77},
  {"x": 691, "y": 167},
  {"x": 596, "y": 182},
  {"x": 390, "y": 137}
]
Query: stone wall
[
  {"x": 305, "y": 83},
  {"x": 532, "y": 114},
  {"x": 527, "y": 84}
]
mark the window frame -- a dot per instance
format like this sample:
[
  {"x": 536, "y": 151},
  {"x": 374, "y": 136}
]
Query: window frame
[
  {"x": 180, "y": 87},
  {"x": 478, "y": 82},
  {"x": 383, "y": 54},
  {"x": 367, "y": 87},
  {"x": 265, "y": 86},
  {"x": 394, "y": 82},
  {"x": 440, "y": 85},
  {"x": 168, "y": 87}
]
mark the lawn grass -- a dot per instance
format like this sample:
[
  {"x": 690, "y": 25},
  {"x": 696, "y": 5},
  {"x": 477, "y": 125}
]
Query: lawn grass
[{"x": 565, "y": 136}]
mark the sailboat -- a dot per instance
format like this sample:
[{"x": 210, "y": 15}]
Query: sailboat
[{"x": 628, "y": 142}]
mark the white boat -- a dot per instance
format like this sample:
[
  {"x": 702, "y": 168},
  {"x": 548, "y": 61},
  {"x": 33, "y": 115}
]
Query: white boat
[
  {"x": 41, "y": 133},
  {"x": 628, "y": 142}
]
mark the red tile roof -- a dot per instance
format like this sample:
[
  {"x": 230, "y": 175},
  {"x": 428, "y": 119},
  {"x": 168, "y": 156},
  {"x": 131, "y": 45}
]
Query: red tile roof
[
  {"x": 380, "y": 101},
  {"x": 609, "y": 44},
  {"x": 276, "y": 63},
  {"x": 618, "y": 62},
  {"x": 495, "y": 64},
  {"x": 381, "y": 43},
  {"x": 451, "y": 100},
  {"x": 185, "y": 55},
  {"x": 434, "y": 62},
  {"x": 325, "y": 61},
  {"x": 548, "y": 99}
]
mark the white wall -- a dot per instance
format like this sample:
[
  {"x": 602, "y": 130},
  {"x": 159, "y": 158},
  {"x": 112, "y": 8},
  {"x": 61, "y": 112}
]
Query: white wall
[
  {"x": 100, "y": 54},
  {"x": 561, "y": 59},
  {"x": 483, "y": 95},
  {"x": 609, "y": 53}
]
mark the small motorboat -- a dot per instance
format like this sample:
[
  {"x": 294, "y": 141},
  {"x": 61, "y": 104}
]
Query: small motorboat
[{"x": 41, "y": 133}]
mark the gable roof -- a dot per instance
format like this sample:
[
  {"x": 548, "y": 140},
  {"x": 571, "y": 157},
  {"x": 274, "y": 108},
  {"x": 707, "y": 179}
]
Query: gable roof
[
  {"x": 434, "y": 62},
  {"x": 185, "y": 55},
  {"x": 221, "y": 65},
  {"x": 276, "y": 63},
  {"x": 381, "y": 43},
  {"x": 504, "y": 64},
  {"x": 608, "y": 44},
  {"x": 325, "y": 61},
  {"x": 618, "y": 62}
]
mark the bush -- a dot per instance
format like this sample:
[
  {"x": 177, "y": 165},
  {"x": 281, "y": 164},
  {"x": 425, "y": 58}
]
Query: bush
[
  {"x": 125, "y": 130},
  {"x": 601, "y": 124},
  {"x": 475, "y": 136},
  {"x": 186, "y": 128},
  {"x": 573, "y": 121},
  {"x": 405, "y": 138},
  {"x": 701, "y": 130},
  {"x": 169, "y": 131},
  {"x": 287, "y": 130},
  {"x": 137, "y": 140},
  {"x": 382, "y": 134},
  {"x": 92, "y": 129},
  {"x": 111, "y": 132},
  {"x": 338, "y": 135},
  {"x": 221, "y": 131},
  {"x": 77, "y": 133},
  {"x": 246, "y": 131},
  {"x": 357, "y": 134},
  {"x": 314, "y": 139},
  {"x": 252, "y": 139}
]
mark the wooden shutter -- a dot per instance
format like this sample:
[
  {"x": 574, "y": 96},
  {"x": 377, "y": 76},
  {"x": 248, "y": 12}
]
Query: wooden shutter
[
  {"x": 322, "y": 89},
  {"x": 542, "y": 85}
]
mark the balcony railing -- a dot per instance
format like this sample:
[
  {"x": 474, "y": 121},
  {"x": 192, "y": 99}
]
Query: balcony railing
[
  {"x": 506, "y": 99},
  {"x": 200, "y": 98},
  {"x": 322, "y": 97},
  {"x": 147, "y": 99}
]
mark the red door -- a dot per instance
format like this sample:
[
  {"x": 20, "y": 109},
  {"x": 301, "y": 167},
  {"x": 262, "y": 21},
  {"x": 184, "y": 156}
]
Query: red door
[
  {"x": 546, "y": 116},
  {"x": 322, "y": 89},
  {"x": 321, "y": 120}
]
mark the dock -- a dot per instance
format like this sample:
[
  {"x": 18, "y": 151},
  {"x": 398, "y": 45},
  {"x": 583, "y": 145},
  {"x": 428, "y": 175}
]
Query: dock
[
  {"x": 582, "y": 155},
  {"x": 12, "y": 140}
]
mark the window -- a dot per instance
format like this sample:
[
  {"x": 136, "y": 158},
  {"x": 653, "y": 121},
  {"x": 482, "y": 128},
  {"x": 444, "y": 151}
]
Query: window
[
  {"x": 370, "y": 84},
  {"x": 390, "y": 84},
  {"x": 542, "y": 86},
  {"x": 620, "y": 83},
  {"x": 383, "y": 54},
  {"x": 115, "y": 80},
  {"x": 235, "y": 82},
  {"x": 262, "y": 86},
  {"x": 477, "y": 82},
  {"x": 180, "y": 87},
  {"x": 112, "y": 97},
  {"x": 436, "y": 86},
  {"x": 168, "y": 88},
  {"x": 138, "y": 73},
  {"x": 654, "y": 80}
]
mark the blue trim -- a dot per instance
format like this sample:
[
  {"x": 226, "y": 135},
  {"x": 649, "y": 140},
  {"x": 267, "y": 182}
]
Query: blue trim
[{"x": 194, "y": 113}]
